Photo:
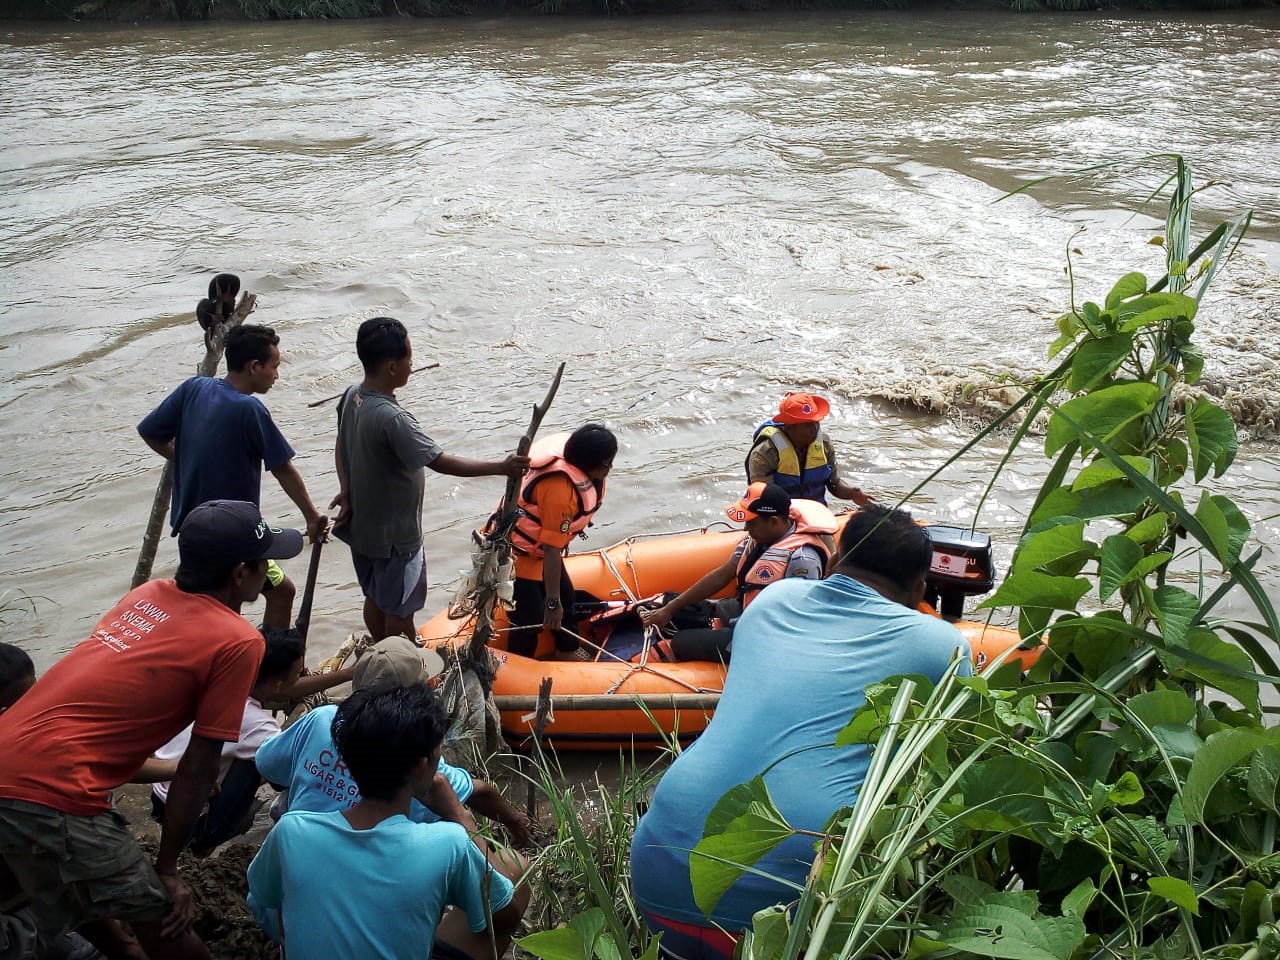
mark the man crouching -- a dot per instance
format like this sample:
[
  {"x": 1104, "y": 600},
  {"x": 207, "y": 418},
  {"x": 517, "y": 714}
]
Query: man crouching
[{"x": 394, "y": 877}]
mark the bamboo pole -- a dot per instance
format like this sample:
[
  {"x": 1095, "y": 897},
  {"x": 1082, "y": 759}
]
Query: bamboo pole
[
  {"x": 542, "y": 704},
  {"x": 214, "y": 346},
  {"x": 316, "y": 403},
  {"x": 613, "y": 701},
  {"x": 501, "y": 537}
]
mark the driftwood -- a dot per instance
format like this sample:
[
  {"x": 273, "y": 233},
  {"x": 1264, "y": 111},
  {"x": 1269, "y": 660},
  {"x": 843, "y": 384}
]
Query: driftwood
[
  {"x": 542, "y": 708},
  {"x": 500, "y": 539},
  {"x": 215, "y": 343},
  {"x": 610, "y": 701}
]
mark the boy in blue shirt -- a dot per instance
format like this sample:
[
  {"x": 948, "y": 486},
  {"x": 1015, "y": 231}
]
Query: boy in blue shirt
[
  {"x": 220, "y": 436},
  {"x": 305, "y": 760},
  {"x": 397, "y": 876}
]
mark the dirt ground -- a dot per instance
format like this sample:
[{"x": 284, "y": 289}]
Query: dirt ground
[{"x": 218, "y": 883}]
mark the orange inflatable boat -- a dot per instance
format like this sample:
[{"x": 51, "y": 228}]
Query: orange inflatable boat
[{"x": 638, "y": 568}]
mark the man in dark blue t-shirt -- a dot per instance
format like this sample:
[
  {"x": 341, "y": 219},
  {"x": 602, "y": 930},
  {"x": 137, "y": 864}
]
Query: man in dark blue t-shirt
[{"x": 220, "y": 436}]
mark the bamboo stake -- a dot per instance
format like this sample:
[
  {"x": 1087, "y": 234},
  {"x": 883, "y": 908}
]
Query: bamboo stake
[
  {"x": 501, "y": 537},
  {"x": 617, "y": 701},
  {"x": 215, "y": 344}
]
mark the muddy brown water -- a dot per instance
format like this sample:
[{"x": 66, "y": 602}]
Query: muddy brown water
[{"x": 697, "y": 212}]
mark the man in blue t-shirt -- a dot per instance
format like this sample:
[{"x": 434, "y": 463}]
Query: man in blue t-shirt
[
  {"x": 304, "y": 760},
  {"x": 803, "y": 654},
  {"x": 220, "y": 436},
  {"x": 396, "y": 876}
]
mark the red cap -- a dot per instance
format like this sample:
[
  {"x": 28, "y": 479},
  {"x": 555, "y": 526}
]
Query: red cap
[{"x": 802, "y": 408}]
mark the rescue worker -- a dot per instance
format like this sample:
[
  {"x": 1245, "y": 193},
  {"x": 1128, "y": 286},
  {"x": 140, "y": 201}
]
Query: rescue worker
[
  {"x": 561, "y": 492},
  {"x": 792, "y": 451},
  {"x": 785, "y": 538}
]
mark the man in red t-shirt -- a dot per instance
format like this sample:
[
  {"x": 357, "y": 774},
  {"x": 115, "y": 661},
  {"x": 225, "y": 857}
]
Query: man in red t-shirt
[{"x": 171, "y": 653}]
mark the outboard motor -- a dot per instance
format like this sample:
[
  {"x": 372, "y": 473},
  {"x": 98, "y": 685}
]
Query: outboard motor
[{"x": 962, "y": 566}]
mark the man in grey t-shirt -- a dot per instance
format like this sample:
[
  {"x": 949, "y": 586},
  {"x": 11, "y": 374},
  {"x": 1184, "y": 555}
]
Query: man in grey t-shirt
[{"x": 380, "y": 456}]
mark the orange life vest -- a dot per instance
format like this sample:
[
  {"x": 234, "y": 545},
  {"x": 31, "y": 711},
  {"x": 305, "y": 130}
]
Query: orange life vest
[
  {"x": 546, "y": 457},
  {"x": 759, "y": 568}
]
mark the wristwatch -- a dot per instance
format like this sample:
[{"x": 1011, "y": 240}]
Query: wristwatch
[{"x": 553, "y": 603}]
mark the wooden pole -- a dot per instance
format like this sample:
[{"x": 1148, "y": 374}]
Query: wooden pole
[
  {"x": 542, "y": 706},
  {"x": 316, "y": 403},
  {"x": 214, "y": 346},
  {"x": 611, "y": 701},
  {"x": 501, "y": 537},
  {"x": 303, "y": 623}
]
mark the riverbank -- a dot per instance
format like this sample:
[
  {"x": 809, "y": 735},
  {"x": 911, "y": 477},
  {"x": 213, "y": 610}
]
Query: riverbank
[{"x": 128, "y": 11}]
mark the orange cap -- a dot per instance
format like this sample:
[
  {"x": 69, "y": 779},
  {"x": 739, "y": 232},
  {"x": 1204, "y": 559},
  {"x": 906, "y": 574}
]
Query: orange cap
[{"x": 802, "y": 408}]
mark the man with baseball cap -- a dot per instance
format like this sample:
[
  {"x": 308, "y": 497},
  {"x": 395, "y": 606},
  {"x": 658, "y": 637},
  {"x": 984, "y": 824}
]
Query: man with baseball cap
[
  {"x": 784, "y": 539},
  {"x": 791, "y": 451},
  {"x": 170, "y": 653},
  {"x": 304, "y": 760}
]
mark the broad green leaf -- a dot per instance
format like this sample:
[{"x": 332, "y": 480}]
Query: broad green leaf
[
  {"x": 1149, "y": 528},
  {"x": 1094, "y": 321},
  {"x": 1264, "y": 778},
  {"x": 1177, "y": 891},
  {"x": 1212, "y": 435},
  {"x": 1127, "y": 790},
  {"x": 1103, "y": 413},
  {"x": 1027, "y": 588},
  {"x": 1154, "y": 308},
  {"x": 589, "y": 924},
  {"x": 606, "y": 947},
  {"x": 996, "y": 930},
  {"x": 769, "y": 929},
  {"x": 1162, "y": 706},
  {"x": 1227, "y": 527},
  {"x": 1175, "y": 608},
  {"x": 1117, "y": 566},
  {"x": 1037, "y": 549},
  {"x": 1173, "y": 462},
  {"x": 1234, "y": 661},
  {"x": 1130, "y": 285},
  {"x": 1104, "y": 471},
  {"x": 742, "y": 827},
  {"x": 1096, "y": 359},
  {"x": 1219, "y": 754},
  {"x": 560, "y": 943},
  {"x": 1192, "y": 362},
  {"x": 1078, "y": 900}
]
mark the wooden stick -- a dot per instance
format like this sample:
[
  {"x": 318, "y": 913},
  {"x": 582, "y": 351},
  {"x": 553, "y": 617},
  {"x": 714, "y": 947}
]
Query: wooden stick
[
  {"x": 303, "y": 623},
  {"x": 614, "y": 701},
  {"x": 214, "y": 346},
  {"x": 501, "y": 538},
  {"x": 429, "y": 366},
  {"x": 542, "y": 706}
]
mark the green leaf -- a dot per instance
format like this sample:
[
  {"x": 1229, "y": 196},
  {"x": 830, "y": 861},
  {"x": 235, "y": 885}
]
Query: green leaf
[
  {"x": 1104, "y": 412},
  {"x": 1127, "y": 790},
  {"x": 1175, "y": 608},
  {"x": 1264, "y": 778},
  {"x": 588, "y": 924},
  {"x": 997, "y": 930},
  {"x": 1027, "y": 588},
  {"x": 742, "y": 827},
  {"x": 1162, "y": 706},
  {"x": 1212, "y": 435},
  {"x": 769, "y": 930},
  {"x": 606, "y": 948},
  {"x": 1227, "y": 527},
  {"x": 1037, "y": 549},
  {"x": 1219, "y": 754},
  {"x": 1234, "y": 661},
  {"x": 1192, "y": 362},
  {"x": 560, "y": 943},
  {"x": 1130, "y": 285},
  {"x": 1096, "y": 359},
  {"x": 1117, "y": 566},
  {"x": 1104, "y": 471},
  {"x": 1149, "y": 528},
  {"x": 1154, "y": 308},
  {"x": 1078, "y": 900},
  {"x": 1177, "y": 891}
]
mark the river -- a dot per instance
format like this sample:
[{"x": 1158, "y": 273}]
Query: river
[{"x": 698, "y": 213}]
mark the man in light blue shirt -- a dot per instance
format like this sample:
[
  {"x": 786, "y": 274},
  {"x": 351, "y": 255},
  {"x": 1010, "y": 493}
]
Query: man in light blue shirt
[
  {"x": 305, "y": 760},
  {"x": 397, "y": 876},
  {"x": 803, "y": 654}
]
